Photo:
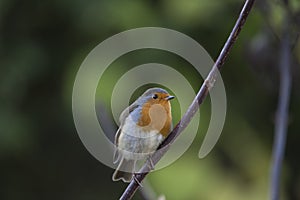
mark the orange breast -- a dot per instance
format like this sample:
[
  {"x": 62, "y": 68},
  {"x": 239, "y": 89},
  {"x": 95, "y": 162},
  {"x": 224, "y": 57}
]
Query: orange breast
[{"x": 156, "y": 117}]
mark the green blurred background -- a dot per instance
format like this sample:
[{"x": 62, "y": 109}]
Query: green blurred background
[{"x": 43, "y": 43}]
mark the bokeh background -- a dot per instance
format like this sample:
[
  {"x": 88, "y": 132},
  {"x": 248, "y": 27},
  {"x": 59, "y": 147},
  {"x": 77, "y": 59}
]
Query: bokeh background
[{"x": 43, "y": 43}]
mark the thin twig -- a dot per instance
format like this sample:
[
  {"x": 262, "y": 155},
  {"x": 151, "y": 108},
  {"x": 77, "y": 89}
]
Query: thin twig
[
  {"x": 183, "y": 123},
  {"x": 282, "y": 112}
]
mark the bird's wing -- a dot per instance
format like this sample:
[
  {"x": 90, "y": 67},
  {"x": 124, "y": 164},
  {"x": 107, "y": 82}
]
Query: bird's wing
[
  {"x": 122, "y": 119},
  {"x": 126, "y": 112}
]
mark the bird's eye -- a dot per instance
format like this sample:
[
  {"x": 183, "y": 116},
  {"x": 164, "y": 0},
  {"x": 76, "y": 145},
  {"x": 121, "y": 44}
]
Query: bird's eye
[{"x": 155, "y": 96}]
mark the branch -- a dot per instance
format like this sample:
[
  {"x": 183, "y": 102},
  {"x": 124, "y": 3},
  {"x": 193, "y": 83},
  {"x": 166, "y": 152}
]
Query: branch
[
  {"x": 282, "y": 112},
  {"x": 201, "y": 95}
]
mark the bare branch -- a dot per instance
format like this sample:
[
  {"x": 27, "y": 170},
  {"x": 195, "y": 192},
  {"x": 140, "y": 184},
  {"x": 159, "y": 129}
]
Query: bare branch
[{"x": 201, "y": 95}]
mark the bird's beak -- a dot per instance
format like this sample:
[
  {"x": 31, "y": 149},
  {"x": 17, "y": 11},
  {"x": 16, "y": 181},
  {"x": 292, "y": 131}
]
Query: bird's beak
[{"x": 169, "y": 98}]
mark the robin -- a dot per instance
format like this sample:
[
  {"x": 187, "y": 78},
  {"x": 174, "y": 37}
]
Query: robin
[{"x": 143, "y": 126}]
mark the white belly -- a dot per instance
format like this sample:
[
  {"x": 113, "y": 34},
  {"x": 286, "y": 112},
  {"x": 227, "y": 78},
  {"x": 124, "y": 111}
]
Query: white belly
[{"x": 135, "y": 143}]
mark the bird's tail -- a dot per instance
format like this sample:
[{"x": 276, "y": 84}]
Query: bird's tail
[{"x": 124, "y": 171}]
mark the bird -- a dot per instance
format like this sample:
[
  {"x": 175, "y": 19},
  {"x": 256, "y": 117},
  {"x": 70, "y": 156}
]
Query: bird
[{"x": 143, "y": 126}]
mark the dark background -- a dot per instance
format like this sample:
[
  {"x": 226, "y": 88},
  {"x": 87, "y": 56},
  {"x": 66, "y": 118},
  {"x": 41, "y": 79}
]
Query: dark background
[{"x": 43, "y": 43}]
